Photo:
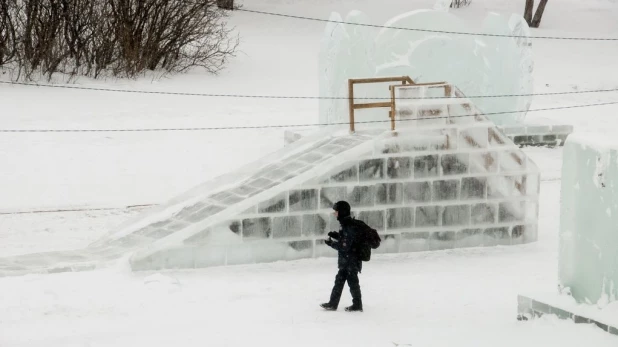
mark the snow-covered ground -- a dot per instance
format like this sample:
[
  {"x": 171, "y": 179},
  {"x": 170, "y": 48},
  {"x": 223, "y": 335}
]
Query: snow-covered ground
[
  {"x": 451, "y": 298},
  {"x": 465, "y": 297}
]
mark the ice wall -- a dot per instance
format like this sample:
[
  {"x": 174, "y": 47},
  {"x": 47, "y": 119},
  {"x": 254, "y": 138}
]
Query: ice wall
[
  {"x": 589, "y": 219},
  {"x": 478, "y": 65},
  {"x": 446, "y": 178}
]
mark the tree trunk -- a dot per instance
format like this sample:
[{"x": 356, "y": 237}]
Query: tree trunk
[
  {"x": 528, "y": 11},
  {"x": 460, "y": 3},
  {"x": 225, "y": 4},
  {"x": 536, "y": 21}
]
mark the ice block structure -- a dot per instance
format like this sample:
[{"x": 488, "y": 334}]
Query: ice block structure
[
  {"x": 446, "y": 178},
  {"x": 479, "y": 65},
  {"x": 588, "y": 259}
]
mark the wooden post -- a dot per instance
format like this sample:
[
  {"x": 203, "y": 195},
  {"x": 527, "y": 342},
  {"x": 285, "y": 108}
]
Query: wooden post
[
  {"x": 392, "y": 113},
  {"x": 404, "y": 80},
  {"x": 351, "y": 103},
  {"x": 447, "y": 93},
  {"x": 447, "y": 90}
]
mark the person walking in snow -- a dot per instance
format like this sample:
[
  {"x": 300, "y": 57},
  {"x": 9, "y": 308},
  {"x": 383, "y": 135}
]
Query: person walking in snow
[{"x": 346, "y": 241}]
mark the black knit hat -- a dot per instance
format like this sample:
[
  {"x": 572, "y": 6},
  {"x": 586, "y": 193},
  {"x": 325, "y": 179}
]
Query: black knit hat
[{"x": 343, "y": 208}]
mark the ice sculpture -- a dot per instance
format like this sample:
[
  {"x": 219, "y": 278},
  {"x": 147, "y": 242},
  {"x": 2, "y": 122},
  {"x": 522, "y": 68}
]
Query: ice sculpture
[
  {"x": 453, "y": 181},
  {"x": 588, "y": 258},
  {"x": 337, "y": 65},
  {"x": 478, "y": 65},
  {"x": 510, "y": 68}
]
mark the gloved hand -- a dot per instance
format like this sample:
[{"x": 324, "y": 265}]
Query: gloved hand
[
  {"x": 329, "y": 242},
  {"x": 334, "y": 235}
]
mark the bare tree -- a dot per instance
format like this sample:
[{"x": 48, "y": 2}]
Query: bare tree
[
  {"x": 115, "y": 37},
  {"x": 536, "y": 21},
  {"x": 460, "y": 3},
  {"x": 8, "y": 33},
  {"x": 41, "y": 24},
  {"x": 170, "y": 35},
  {"x": 528, "y": 11}
]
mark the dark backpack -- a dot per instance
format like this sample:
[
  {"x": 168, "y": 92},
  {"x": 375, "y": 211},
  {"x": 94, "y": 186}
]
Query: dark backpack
[{"x": 368, "y": 239}]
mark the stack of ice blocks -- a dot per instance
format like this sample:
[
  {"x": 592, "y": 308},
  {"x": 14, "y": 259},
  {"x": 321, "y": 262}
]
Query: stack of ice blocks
[{"x": 446, "y": 178}]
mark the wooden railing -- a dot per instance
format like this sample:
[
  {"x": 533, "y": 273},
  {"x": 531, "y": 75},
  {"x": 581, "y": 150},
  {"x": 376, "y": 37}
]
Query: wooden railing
[
  {"x": 389, "y": 104},
  {"x": 404, "y": 80}
]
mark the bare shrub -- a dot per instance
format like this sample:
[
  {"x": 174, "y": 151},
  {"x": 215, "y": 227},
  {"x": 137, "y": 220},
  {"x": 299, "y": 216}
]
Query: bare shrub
[
  {"x": 8, "y": 32},
  {"x": 460, "y": 3},
  {"x": 122, "y": 38}
]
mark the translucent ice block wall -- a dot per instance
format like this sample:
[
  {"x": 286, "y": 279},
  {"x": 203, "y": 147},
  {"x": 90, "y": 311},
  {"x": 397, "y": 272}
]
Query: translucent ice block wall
[
  {"x": 449, "y": 181},
  {"x": 589, "y": 219},
  {"x": 446, "y": 178},
  {"x": 478, "y": 65}
]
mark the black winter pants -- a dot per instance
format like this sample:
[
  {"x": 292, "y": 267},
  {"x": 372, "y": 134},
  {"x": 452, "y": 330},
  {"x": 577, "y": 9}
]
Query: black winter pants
[{"x": 351, "y": 276}]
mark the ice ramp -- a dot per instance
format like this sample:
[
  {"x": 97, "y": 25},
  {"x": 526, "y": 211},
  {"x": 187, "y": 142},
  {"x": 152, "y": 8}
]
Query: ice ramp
[
  {"x": 206, "y": 229},
  {"x": 190, "y": 217},
  {"x": 446, "y": 178}
]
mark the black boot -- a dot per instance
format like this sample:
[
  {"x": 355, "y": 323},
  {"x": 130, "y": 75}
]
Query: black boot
[
  {"x": 354, "y": 308},
  {"x": 329, "y": 307}
]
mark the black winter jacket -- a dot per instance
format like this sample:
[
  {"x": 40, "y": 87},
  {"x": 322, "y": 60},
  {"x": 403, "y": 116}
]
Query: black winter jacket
[{"x": 346, "y": 243}]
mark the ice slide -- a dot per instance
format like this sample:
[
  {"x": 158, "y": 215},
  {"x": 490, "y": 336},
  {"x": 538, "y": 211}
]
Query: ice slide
[{"x": 447, "y": 177}]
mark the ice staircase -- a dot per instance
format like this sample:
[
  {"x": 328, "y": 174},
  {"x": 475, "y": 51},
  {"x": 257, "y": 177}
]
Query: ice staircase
[{"x": 446, "y": 178}]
